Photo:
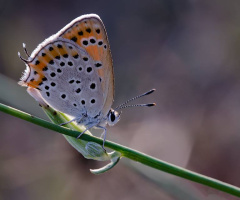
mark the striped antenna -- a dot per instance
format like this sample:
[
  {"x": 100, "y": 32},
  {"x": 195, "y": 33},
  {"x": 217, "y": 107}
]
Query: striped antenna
[{"x": 134, "y": 98}]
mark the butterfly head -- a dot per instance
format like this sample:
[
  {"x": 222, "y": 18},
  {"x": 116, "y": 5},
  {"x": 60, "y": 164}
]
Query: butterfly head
[{"x": 113, "y": 117}]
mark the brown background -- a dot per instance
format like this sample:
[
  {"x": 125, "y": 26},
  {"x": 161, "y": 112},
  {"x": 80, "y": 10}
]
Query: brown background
[{"x": 187, "y": 50}]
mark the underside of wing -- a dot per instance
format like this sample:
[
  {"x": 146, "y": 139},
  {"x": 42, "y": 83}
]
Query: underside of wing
[
  {"x": 66, "y": 76},
  {"x": 89, "y": 33}
]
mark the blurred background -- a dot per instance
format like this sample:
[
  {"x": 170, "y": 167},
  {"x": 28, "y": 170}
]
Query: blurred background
[{"x": 188, "y": 50}]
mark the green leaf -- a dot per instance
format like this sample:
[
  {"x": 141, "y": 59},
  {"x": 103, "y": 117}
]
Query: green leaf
[{"x": 89, "y": 150}]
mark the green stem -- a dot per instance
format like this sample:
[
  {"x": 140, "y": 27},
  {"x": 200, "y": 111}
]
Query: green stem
[{"x": 129, "y": 153}]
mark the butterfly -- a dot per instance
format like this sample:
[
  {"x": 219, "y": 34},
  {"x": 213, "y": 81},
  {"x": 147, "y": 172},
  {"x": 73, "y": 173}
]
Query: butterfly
[{"x": 73, "y": 73}]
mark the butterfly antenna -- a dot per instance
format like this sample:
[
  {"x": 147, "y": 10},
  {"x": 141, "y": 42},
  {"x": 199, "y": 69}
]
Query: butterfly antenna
[
  {"x": 25, "y": 49},
  {"x": 24, "y": 60},
  {"x": 139, "y": 105},
  {"x": 134, "y": 98}
]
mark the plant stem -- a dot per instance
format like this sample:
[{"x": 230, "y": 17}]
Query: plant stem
[{"x": 129, "y": 153}]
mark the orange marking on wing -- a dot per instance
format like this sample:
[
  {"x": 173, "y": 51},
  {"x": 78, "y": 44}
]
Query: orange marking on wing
[
  {"x": 39, "y": 67},
  {"x": 71, "y": 34},
  {"x": 101, "y": 73},
  {"x": 73, "y": 53},
  {"x": 36, "y": 82},
  {"x": 68, "y": 35},
  {"x": 31, "y": 84},
  {"x": 94, "y": 33},
  {"x": 44, "y": 59},
  {"x": 93, "y": 51},
  {"x": 62, "y": 51},
  {"x": 37, "y": 77},
  {"x": 99, "y": 36},
  {"x": 52, "y": 53},
  {"x": 85, "y": 29}
]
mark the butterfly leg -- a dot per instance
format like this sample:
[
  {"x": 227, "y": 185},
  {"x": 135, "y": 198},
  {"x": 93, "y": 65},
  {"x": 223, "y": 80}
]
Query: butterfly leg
[
  {"x": 85, "y": 131},
  {"x": 74, "y": 119},
  {"x": 104, "y": 135}
]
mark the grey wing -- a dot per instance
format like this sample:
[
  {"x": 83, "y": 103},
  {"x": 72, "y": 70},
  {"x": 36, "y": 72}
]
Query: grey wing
[{"x": 69, "y": 79}]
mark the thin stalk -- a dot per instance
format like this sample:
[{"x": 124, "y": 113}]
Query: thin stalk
[{"x": 129, "y": 153}]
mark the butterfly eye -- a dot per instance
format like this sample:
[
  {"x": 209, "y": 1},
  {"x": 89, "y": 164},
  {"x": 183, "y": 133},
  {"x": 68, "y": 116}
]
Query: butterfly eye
[{"x": 113, "y": 117}]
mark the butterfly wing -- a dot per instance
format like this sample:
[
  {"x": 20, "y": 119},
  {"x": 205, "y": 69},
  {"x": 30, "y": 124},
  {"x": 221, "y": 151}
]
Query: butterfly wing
[
  {"x": 66, "y": 77},
  {"x": 73, "y": 69},
  {"x": 88, "y": 32}
]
